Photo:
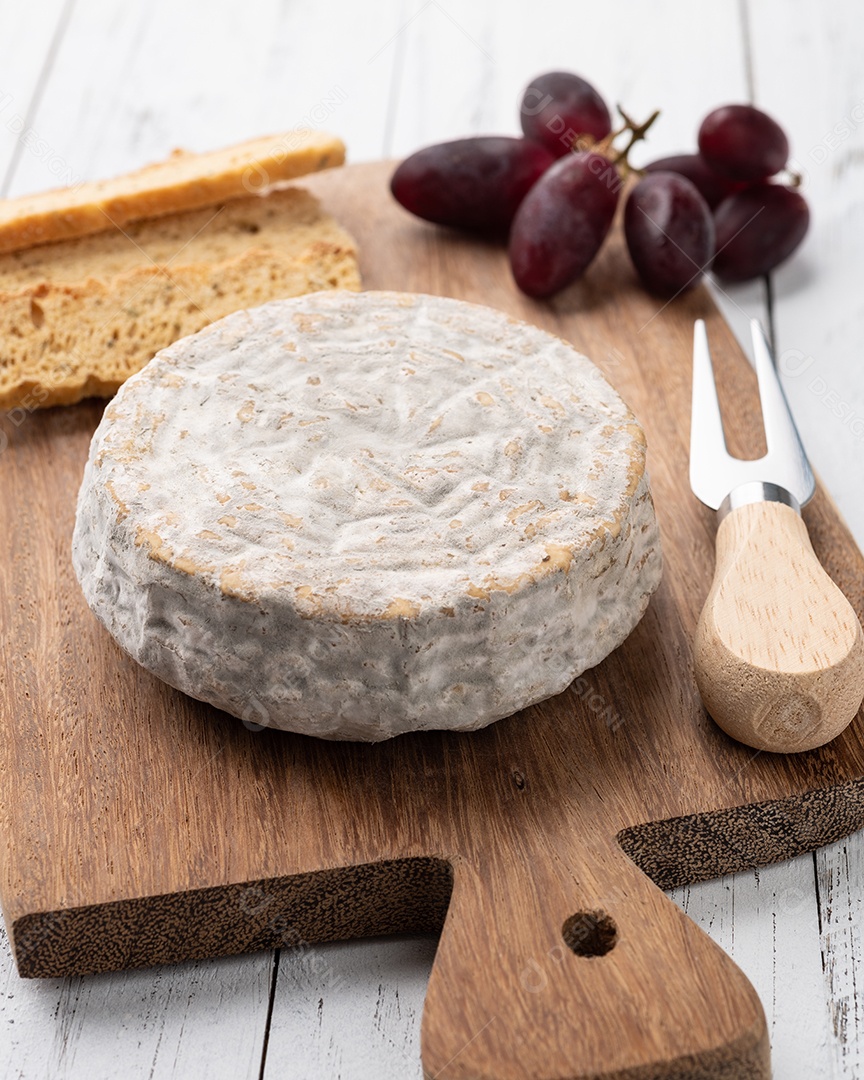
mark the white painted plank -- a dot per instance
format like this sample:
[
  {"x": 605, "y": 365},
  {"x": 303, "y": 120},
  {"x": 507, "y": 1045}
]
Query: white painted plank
[
  {"x": 181, "y": 74},
  {"x": 199, "y": 1019},
  {"x": 31, "y": 33},
  {"x": 809, "y": 75},
  {"x": 840, "y": 877},
  {"x": 350, "y": 1010},
  {"x": 466, "y": 65}
]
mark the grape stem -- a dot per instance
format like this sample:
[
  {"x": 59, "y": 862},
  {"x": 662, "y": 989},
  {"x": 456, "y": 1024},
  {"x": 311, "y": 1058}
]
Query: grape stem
[
  {"x": 603, "y": 146},
  {"x": 606, "y": 146},
  {"x": 637, "y": 134}
]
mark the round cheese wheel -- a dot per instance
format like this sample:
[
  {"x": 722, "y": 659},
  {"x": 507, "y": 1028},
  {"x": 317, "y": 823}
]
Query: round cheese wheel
[{"x": 356, "y": 515}]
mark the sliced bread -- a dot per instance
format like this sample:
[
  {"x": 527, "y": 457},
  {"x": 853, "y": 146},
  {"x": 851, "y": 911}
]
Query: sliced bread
[
  {"x": 186, "y": 181},
  {"x": 78, "y": 317}
]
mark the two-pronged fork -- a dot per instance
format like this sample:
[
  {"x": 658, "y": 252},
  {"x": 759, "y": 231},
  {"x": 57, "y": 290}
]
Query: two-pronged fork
[{"x": 779, "y": 651}]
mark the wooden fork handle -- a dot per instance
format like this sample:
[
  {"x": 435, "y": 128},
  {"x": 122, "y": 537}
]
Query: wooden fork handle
[{"x": 779, "y": 651}]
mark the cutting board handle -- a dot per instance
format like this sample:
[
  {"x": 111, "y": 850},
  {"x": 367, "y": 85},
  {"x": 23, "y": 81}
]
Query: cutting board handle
[
  {"x": 779, "y": 651},
  {"x": 574, "y": 964}
]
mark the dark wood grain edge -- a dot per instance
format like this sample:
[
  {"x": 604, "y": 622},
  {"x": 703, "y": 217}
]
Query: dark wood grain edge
[
  {"x": 749, "y": 1058},
  {"x": 698, "y": 847},
  {"x": 408, "y": 895},
  {"x": 395, "y": 896}
]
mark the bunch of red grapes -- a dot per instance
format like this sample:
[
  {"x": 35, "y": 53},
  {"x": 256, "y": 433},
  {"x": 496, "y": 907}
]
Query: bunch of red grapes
[{"x": 554, "y": 192}]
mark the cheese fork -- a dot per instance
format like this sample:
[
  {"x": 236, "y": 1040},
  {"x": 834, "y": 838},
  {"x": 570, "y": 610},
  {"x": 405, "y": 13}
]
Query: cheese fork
[{"x": 779, "y": 651}]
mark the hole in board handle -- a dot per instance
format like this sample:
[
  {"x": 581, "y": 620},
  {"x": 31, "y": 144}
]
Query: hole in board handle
[{"x": 590, "y": 933}]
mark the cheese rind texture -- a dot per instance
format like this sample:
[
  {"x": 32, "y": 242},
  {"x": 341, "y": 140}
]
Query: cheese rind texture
[{"x": 356, "y": 515}]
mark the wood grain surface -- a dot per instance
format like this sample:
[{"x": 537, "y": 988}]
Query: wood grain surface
[{"x": 144, "y": 826}]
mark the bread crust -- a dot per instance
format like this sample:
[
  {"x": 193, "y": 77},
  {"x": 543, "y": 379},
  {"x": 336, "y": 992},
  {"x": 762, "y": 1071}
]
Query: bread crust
[{"x": 185, "y": 181}]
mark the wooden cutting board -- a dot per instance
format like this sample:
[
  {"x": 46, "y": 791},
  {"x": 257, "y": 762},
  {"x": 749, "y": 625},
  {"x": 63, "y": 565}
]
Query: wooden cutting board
[{"x": 142, "y": 827}]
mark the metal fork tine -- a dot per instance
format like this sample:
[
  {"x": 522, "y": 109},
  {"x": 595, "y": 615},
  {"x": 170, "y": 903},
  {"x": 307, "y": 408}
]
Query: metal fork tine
[
  {"x": 714, "y": 472},
  {"x": 781, "y": 435},
  {"x": 707, "y": 439}
]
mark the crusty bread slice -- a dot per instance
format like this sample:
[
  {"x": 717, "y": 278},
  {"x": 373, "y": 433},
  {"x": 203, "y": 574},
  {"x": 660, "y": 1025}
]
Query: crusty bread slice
[
  {"x": 185, "y": 181},
  {"x": 77, "y": 318}
]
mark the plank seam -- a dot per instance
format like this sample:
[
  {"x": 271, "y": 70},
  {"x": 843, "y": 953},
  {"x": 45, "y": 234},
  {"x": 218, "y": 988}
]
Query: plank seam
[
  {"x": 38, "y": 92},
  {"x": 274, "y": 975}
]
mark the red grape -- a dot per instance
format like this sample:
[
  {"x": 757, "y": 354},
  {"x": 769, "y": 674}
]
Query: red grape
[
  {"x": 473, "y": 183},
  {"x": 743, "y": 143},
  {"x": 562, "y": 222},
  {"x": 713, "y": 188},
  {"x": 669, "y": 232},
  {"x": 757, "y": 229},
  {"x": 558, "y": 106}
]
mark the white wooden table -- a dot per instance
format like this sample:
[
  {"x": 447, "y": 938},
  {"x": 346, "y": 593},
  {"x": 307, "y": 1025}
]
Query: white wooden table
[{"x": 93, "y": 87}]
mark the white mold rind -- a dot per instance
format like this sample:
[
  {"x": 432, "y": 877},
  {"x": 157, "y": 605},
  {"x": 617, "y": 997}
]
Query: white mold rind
[{"x": 355, "y": 515}]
